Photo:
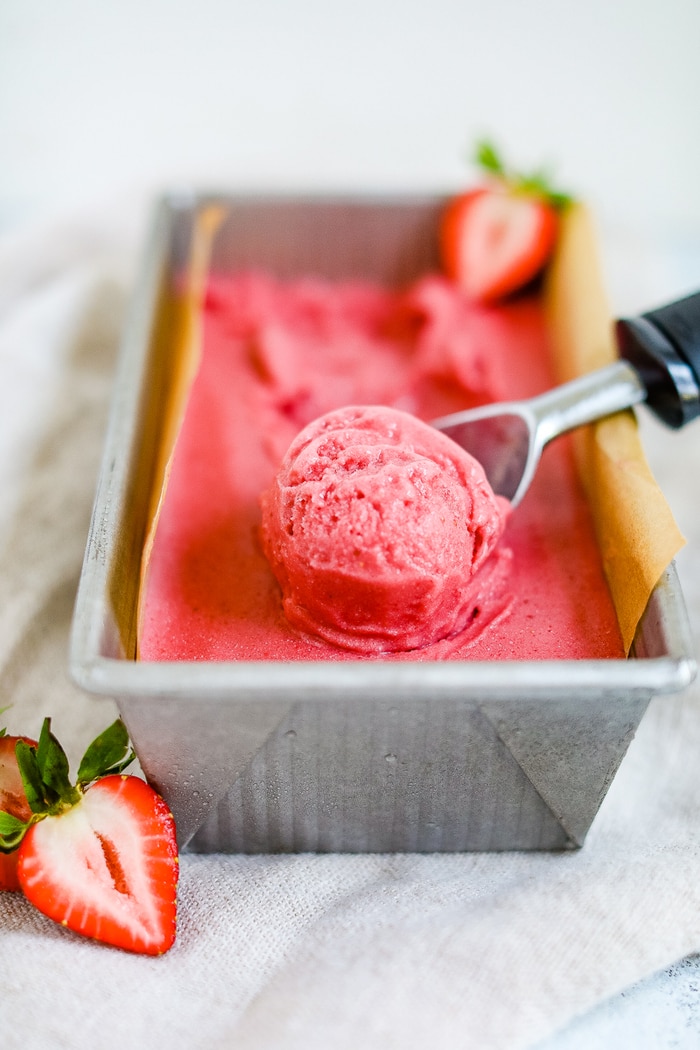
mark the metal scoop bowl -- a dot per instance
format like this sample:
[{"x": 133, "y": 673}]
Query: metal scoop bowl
[{"x": 660, "y": 366}]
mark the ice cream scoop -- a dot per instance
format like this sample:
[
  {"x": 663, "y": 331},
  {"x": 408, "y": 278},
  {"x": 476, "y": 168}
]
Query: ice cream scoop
[
  {"x": 376, "y": 527},
  {"x": 661, "y": 367}
]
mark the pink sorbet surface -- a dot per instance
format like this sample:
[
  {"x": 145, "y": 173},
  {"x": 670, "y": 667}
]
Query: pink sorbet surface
[{"x": 278, "y": 355}]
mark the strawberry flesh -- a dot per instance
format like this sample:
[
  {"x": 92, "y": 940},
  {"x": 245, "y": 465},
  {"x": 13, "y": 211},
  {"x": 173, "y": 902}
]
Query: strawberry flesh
[
  {"x": 107, "y": 867},
  {"x": 495, "y": 241},
  {"x": 99, "y": 856}
]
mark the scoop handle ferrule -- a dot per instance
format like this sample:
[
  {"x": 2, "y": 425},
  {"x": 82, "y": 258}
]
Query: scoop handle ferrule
[{"x": 664, "y": 347}]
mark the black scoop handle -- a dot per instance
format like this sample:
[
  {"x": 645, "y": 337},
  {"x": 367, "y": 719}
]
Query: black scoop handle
[{"x": 664, "y": 347}]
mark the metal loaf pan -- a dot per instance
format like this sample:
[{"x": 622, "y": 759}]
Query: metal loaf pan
[{"x": 359, "y": 756}]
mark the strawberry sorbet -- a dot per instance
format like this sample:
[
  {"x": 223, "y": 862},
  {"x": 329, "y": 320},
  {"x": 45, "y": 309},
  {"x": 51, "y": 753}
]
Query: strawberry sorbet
[
  {"x": 413, "y": 568},
  {"x": 375, "y": 527}
]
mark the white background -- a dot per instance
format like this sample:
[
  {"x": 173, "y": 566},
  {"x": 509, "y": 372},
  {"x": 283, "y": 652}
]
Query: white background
[{"x": 98, "y": 98}]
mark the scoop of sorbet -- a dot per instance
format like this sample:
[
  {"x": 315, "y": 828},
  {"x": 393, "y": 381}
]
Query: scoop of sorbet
[{"x": 375, "y": 527}]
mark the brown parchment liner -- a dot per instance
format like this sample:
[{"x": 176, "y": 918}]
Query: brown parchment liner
[
  {"x": 636, "y": 532},
  {"x": 184, "y": 361}
]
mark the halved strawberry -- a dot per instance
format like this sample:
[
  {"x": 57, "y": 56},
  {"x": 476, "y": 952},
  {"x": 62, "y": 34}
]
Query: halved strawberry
[
  {"x": 12, "y": 801},
  {"x": 498, "y": 237},
  {"x": 99, "y": 857}
]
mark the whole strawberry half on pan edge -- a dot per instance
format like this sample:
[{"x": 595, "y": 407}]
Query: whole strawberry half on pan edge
[{"x": 497, "y": 237}]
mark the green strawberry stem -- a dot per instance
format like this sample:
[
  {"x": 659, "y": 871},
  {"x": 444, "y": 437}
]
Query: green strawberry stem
[
  {"x": 537, "y": 184},
  {"x": 46, "y": 779},
  {"x": 108, "y": 753},
  {"x": 12, "y": 831}
]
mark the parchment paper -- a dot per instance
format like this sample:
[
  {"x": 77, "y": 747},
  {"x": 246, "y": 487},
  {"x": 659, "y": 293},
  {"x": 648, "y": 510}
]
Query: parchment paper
[{"x": 637, "y": 534}]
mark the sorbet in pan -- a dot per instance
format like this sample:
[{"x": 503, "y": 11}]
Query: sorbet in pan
[{"x": 287, "y": 533}]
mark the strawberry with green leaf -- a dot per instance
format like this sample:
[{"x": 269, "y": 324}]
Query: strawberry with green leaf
[
  {"x": 498, "y": 237},
  {"x": 13, "y": 801},
  {"x": 98, "y": 856}
]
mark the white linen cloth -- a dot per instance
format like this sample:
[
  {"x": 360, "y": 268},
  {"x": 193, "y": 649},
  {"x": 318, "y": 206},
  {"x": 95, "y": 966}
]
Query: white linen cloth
[{"x": 287, "y": 952}]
